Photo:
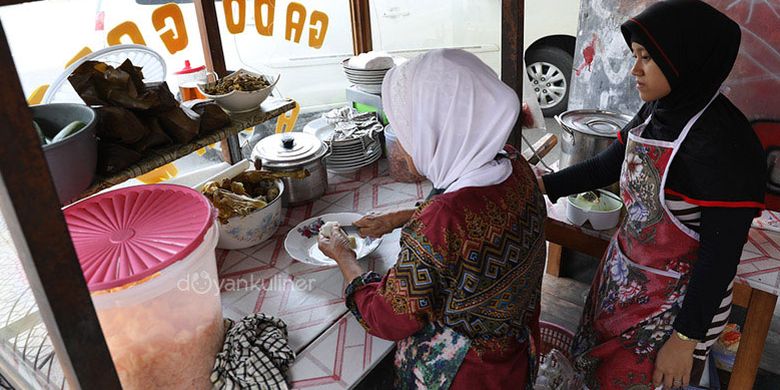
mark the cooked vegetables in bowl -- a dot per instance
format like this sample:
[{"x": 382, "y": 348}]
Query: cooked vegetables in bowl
[
  {"x": 241, "y": 91},
  {"x": 241, "y": 82},
  {"x": 249, "y": 206},
  {"x": 600, "y": 208}
]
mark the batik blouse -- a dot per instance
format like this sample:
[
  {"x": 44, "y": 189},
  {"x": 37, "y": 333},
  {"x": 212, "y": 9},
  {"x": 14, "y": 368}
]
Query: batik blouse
[{"x": 463, "y": 298}]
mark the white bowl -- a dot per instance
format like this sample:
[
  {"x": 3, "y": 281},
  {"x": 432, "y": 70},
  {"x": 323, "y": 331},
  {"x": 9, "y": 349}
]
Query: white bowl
[
  {"x": 366, "y": 80},
  {"x": 245, "y": 231},
  {"x": 599, "y": 220},
  {"x": 242, "y": 101},
  {"x": 345, "y": 64}
]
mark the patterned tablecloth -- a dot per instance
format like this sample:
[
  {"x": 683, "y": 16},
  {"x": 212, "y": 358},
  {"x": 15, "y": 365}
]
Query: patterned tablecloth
[{"x": 334, "y": 350}]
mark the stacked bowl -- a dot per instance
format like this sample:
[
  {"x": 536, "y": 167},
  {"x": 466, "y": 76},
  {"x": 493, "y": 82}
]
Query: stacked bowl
[{"x": 366, "y": 80}]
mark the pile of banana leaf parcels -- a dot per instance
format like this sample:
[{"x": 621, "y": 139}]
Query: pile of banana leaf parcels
[{"x": 136, "y": 118}]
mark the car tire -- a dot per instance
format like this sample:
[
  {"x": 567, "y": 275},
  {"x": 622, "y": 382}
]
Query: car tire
[{"x": 549, "y": 70}]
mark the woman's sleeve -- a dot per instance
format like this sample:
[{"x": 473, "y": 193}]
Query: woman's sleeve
[
  {"x": 596, "y": 172},
  {"x": 723, "y": 232},
  {"x": 397, "y": 305}
]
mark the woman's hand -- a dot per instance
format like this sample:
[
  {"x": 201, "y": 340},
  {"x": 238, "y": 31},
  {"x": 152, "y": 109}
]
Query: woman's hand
[
  {"x": 539, "y": 172},
  {"x": 336, "y": 246},
  {"x": 377, "y": 225},
  {"x": 674, "y": 362}
]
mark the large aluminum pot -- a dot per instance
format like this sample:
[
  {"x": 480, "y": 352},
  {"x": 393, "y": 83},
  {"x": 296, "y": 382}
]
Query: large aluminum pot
[
  {"x": 585, "y": 133},
  {"x": 292, "y": 151}
]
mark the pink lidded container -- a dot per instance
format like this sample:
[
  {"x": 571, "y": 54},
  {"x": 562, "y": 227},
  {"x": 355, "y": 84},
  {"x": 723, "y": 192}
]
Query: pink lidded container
[{"x": 147, "y": 253}]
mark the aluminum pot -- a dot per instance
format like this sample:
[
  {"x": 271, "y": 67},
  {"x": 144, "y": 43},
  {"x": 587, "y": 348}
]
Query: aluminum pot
[
  {"x": 586, "y": 133},
  {"x": 292, "y": 151}
]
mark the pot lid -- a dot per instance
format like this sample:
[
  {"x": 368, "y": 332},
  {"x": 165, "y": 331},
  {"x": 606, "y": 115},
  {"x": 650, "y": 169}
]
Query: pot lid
[
  {"x": 188, "y": 69},
  {"x": 594, "y": 122},
  {"x": 126, "y": 235},
  {"x": 288, "y": 149}
]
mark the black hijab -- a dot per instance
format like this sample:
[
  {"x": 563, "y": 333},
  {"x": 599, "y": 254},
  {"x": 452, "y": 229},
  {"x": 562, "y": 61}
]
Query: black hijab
[{"x": 695, "y": 45}]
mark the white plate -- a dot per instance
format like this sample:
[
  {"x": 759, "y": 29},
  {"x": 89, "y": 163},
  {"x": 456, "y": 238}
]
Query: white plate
[
  {"x": 348, "y": 159},
  {"x": 338, "y": 146},
  {"x": 321, "y": 129},
  {"x": 367, "y": 80},
  {"x": 301, "y": 241},
  {"x": 355, "y": 167},
  {"x": 356, "y": 156},
  {"x": 342, "y": 154}
]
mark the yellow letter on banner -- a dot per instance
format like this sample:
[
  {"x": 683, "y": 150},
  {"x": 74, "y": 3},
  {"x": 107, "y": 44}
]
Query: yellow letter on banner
[
  {"x": 84, "y": 51},
  {"x": 295, "y": 8},
  {"x": 317, "y": 36},
  {"x": 36, "y": 97},
  {"x": 128, "y": 29},
  {"x": 233, "y": 26},
  {"x": 265, "y": 27},
  {"x": 174, "y": 41},
  {"x": 285, "y": 123}
]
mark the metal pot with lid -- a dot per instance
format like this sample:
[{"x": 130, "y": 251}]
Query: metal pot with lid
[
  {"x": 587, "y": 132},
  {"x": 292, "y": 151}
]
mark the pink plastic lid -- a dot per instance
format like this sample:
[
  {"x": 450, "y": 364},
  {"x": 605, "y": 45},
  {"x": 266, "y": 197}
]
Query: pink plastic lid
[
  {"x": 126, "y": 235},
  {"x": 188, "y": 69}
]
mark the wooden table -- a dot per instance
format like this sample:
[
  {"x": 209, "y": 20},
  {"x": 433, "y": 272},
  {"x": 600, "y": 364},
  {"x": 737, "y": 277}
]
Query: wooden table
[{"x": 756, "y": 288}]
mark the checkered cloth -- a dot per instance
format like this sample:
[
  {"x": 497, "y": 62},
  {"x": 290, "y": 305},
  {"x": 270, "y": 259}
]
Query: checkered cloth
[{"x": 255, "y": 355}]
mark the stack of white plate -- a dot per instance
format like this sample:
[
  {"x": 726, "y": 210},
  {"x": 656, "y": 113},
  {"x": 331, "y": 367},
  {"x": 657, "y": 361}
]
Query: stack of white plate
[
  {"x": 367, "y": 80},
  {"x": 347, "y": 155}
]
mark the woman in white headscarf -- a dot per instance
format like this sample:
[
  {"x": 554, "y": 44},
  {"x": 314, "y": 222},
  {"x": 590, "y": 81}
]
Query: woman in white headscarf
[{"x": 463, "y": 299}]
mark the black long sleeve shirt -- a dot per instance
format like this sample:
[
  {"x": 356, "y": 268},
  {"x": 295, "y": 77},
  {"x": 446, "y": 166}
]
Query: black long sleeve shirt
[{"x": 722, "y": 233}]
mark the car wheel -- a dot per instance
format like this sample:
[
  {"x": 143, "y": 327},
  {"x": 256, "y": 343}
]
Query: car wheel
[{"x": 549, "y": 70}]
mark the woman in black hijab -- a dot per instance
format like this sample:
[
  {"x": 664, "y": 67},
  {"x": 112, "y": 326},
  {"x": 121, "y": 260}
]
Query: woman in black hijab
[{"x": 691, "y": 174}]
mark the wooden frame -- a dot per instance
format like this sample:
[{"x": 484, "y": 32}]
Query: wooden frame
[
  {"x": 512, "y": 24},
  {"x": 32, "y": 211},
  {"x": 215, "y": 61},
  {"x": 360, "y": 15}
]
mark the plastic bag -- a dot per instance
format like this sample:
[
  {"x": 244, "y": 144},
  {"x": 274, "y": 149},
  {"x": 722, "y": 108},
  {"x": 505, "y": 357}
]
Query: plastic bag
[{"x": 557, "y": 373}]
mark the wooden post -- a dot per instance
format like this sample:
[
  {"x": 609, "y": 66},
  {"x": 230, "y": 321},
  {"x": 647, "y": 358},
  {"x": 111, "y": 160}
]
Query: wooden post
[
  {"x": 554, "y": 252},
  {"x": 208, "y": 25},
  {"x": 361, "y": 26},
  {"x": 32, "y": 212},
  {"x": 751, "y": 345},
  {"x": 512, "y": 14}
]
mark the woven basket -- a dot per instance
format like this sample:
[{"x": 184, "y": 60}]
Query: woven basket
[{"x": 555, "y": 337}]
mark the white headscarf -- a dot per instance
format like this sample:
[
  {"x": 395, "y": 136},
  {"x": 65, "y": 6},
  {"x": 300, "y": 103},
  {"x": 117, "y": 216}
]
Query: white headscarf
[{"x": 452, "y": 114}]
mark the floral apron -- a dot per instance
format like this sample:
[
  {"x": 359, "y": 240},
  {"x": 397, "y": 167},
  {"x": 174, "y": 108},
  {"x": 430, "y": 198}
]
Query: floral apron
[{"x": 643, "y": 276}]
